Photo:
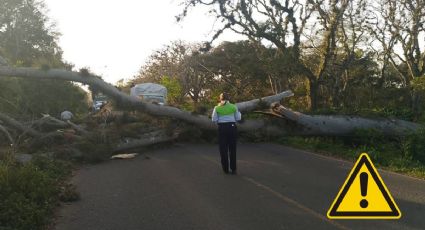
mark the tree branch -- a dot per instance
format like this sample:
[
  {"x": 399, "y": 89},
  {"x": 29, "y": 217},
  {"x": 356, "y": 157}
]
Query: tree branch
[
  {"x": 126, "y": 101},
  {"x": 148, "y": 139},
  {"x": 17, "y": 125},
  {"x": 7, "y": 134},
  {"x": 344, "y": 125}
]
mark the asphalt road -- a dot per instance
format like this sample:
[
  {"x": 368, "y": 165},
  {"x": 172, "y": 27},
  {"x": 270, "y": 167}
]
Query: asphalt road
[{"x": 183, "y": 187}]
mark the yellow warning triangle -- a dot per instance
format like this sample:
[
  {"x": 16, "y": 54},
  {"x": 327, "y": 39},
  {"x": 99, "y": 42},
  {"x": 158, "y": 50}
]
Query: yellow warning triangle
[{"x": 364, "y": 195}]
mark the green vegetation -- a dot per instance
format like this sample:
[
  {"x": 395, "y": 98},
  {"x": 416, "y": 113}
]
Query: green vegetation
[
  {"x": 369, "y": 91},
  {"x": 28, "y": 39},
  {"x": 321, "y": 50},
  {"x": 404, "y": 154},
  {"x": 174, "y": 89},
  {"x": 28, "y": 98},
  {"x": 30, "y": 192},
  {"x": 355, "y": 64}
]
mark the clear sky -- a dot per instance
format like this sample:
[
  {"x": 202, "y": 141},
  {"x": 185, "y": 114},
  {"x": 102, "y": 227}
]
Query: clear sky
[{"x": 115, "y": 38}]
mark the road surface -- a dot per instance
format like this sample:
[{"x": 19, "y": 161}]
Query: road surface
[{"x": 183, "y": 187}]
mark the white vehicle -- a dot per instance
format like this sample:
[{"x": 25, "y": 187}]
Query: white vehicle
[
  {"x": 150, "y": 92},
  {"x": 98, "y": 101}
]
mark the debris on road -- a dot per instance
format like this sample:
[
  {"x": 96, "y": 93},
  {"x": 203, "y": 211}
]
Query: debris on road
[{"x": 124, "y": 156}]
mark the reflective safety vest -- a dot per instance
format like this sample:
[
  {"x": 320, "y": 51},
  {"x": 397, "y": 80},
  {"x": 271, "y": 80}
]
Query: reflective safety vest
[{"x": 226, "y": 109}]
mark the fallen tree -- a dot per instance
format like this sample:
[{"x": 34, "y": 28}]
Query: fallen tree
[
  {"x": 307, "y": 124},
  {"x": 125, "y": 101},
  {"x": 7, "y": 134},
  {"x": 8, "y": 121},
  {"x": 52, "y": 121},
  {"x": 342, "y": 125},
  {"x": 150, "y": 138}
]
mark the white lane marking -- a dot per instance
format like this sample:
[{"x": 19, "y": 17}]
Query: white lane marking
[{"x": 286, "y": 199}]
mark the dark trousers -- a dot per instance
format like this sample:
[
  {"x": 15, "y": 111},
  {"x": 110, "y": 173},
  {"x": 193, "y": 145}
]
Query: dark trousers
[{"x": 227, "y": 135}]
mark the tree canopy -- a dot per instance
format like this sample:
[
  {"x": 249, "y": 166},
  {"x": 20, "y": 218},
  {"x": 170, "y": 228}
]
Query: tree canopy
[
  {"x": 28, "y": 38},
  {"x": 328, "y": 39}
]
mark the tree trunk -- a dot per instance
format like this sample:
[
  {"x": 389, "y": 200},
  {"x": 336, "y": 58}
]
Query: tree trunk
[
  {"x": 148, "y": 139},
  {"x": 314, "y": 100},
  {"x": 7, "y": 134},
  {"x": 128, "y": 102},
  {"x": 415, "y": 103},
  {"x": 311, "y": 125},
  {"x": 343, "y": 125},
  {"x": 17, "y": 125}
]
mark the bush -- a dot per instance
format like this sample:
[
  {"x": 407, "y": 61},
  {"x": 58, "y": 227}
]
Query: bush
[
  {"x": 94, "y": 153},
  {"x": 96, "y": 147},
  {"x": 367, "y": 137},
  {"x": 69, "y": 193},
  {"x": 29, "y": 193},
  {"x": 374, "y": 154},
  {"x": 402, "y": 154},
  {"x": 414, "y": 147}
]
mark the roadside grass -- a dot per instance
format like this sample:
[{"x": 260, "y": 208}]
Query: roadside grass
[
  {"x": 395, "y": 155},
  {"x": 30, "y": 192}
]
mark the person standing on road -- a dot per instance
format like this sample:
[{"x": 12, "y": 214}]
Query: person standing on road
[{"x": 225, "y": 114}]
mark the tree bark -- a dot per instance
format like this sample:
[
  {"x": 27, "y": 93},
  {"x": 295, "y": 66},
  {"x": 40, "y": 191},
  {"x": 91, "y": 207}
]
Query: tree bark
[
  {"x": 148, "y": 139},
  {"x": 343, "y": 125},
  {"x": 129, "y": 102},
  {"x": 7, "y": 134},
  {"x": 314, "y": 89},
  {"x": 50, "y": 121},
  {"x": 17, "y": 125},
  {"x": 51, "y": 138},
  {"x": 251, "y": 105},
  {"x": 310, "y": 125},
  {"x": 66, "y": 124}
]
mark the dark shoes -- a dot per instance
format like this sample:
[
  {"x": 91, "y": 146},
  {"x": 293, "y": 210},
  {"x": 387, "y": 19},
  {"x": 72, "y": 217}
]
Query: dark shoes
[{"x": 233, "y": 172}]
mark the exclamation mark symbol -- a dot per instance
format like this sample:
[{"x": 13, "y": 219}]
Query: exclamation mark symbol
[{"x": 363, "y": 189}]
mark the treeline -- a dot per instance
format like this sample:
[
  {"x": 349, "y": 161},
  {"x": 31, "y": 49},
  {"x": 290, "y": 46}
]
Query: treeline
[
  {"x": 349, "y": 56},
  {"x": 248, "y": 70},
  {"x": 29, "y": 39},
  {"x": 31, "y": 192}
]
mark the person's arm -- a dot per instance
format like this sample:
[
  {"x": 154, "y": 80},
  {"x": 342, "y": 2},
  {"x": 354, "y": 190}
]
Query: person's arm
[
  {"x": 238, "y": 115},
  {"x": 214, "y": 116}
]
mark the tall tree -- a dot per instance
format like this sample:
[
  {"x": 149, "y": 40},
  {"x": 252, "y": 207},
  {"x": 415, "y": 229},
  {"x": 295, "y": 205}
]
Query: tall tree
[
  {"x": 398, "y": 26},
  {"x": 175, "y": 62},
  {"x": 164, "y": 62},
  {"x": 348, "y": 55},
  {"x": 27, "y": 38},
  {"x": 236, "y": 68},
  {"x": 282, "y": 23}
]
